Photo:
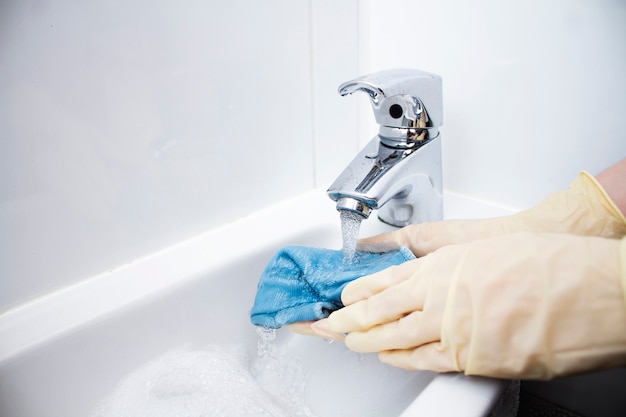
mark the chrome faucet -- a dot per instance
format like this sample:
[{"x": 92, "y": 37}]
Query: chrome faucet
[{"x": 398, "y": 172}]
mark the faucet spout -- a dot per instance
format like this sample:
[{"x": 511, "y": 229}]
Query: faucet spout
[
  {"x": 399, "y": 172},
  {"x": 353, "y": 205}
]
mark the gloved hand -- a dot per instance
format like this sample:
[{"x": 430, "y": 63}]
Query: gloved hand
[
  {"x": 583, "y": 209},
  {"x": 522, "y": 305}
]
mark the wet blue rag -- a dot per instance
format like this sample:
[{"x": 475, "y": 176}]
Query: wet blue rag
[{"x": 302, "y": 283}]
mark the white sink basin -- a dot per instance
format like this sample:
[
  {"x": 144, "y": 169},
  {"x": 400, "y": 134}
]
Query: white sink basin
[{"x": 61, "y": 354}]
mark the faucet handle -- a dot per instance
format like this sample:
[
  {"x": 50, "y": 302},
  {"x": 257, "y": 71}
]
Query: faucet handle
[{"x": 401, "y": 98}]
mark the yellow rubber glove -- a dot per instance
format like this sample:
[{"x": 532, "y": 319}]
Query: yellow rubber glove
[
  {"x": 583, "y": 209},
  {"x": 523, "y": 305}
]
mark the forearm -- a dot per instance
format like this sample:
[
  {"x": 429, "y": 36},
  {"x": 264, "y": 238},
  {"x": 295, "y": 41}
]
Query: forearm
[{"x": 613, "y": 180}]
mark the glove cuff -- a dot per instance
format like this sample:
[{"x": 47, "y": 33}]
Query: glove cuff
[
  {"x": 601, "y": 206},
  {"x": 583, "y": 209}
]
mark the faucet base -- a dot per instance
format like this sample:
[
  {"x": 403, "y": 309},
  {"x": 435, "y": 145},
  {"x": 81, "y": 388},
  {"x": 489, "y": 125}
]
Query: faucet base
[
  {"x": 424, "y": 203},
  {"x": 418, "y": 197}
]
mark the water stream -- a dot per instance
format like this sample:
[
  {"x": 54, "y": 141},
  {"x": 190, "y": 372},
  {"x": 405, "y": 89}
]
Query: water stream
[{"x": 350, "y": 226}]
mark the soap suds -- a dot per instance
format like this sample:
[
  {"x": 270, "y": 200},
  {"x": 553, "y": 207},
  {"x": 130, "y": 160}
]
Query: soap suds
[{"x": 219, "y": 380}]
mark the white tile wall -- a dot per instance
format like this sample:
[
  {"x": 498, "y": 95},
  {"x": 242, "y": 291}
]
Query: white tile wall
[
  {"x": 126, "y": 127},
  {"x": 336, "y": 59}
]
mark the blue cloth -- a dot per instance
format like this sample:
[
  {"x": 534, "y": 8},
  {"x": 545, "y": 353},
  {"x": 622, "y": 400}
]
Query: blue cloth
[{"x": 303, "y": 283}]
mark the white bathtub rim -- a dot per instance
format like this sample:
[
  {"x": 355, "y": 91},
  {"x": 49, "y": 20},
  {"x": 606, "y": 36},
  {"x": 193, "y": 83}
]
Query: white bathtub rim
[{"x": 39, "y": 320}]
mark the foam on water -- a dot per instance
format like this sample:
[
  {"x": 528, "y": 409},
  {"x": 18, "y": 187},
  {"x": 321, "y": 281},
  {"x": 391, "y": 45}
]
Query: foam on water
[
  {"x": 350, "y": 226},
  {"x": 219, "y": 380}
]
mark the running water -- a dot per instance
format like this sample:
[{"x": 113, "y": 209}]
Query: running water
[
  {"x": 350, "y": 225},
  {"x": 265, "y": 344},
  {"x": 217, "y": 381},
  {"x": 281, "y": 375}
]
